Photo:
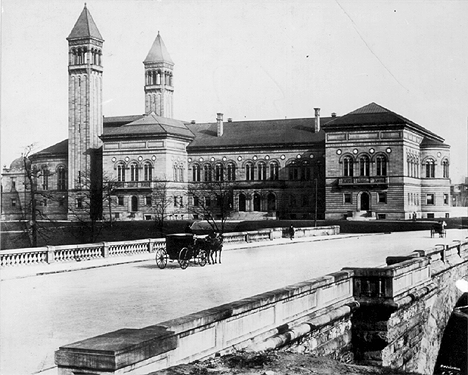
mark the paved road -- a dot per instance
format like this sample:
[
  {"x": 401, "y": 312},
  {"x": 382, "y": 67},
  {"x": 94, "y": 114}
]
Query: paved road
[{"x": 38, "y": 314}]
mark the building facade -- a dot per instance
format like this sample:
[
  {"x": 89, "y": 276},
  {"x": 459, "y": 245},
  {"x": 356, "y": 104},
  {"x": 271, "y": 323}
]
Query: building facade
[{"x": 371, "y": 163}]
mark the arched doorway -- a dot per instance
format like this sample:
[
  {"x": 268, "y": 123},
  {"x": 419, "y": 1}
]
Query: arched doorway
[
  {"x": 256, "y": 202},
  {"x": 365, "y": 201},
  {"x": 134, "y": 204},
  {"x": 242, "y": 202},
  {"x": 271, "y": 199}
]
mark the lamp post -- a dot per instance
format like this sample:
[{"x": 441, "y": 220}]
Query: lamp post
[{"x": 315, "y": 215}]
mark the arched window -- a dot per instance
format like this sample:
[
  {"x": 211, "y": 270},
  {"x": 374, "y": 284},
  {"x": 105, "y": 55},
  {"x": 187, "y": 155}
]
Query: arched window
[
  {"x": 305, "y": 173},
  {"x": 181, "y": 173},
  {"x": 219, "y": 172},
  {"x": 249, "y": 172},
  {"x": 148, "y": 171},
  {"x": 445, "y": 169},
  {"x": 196, "y": 173},
  {"x": 45, "y": 178},
  {"x": 231, "y": 172},
  {"x": 261, "y": 167},
  {"x": 430, "y": 168},
  {"x": 294, "y": 171},
  {"x": 364, "y": 164},
  {"x": 207, "y": 171},
  {"x": 381, "y": 165},
  {"x": 348, "y": 167},
  {"x": 134, "y": 173},
  {"x": 274, "y": 171},
  {"x": 121, "y": 173},
  {"x": 61, "y": 178}
]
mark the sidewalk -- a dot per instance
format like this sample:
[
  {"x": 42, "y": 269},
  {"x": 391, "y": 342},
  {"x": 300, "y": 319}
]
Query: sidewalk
[{"x": 13, "y": 272}]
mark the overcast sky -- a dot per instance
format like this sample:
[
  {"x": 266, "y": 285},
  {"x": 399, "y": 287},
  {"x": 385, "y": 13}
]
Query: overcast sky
[{"x": 247, "y": 59}]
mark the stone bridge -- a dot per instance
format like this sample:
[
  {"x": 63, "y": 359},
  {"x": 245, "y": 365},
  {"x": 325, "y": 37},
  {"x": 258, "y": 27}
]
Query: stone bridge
[{"x": 393, "y": 316}]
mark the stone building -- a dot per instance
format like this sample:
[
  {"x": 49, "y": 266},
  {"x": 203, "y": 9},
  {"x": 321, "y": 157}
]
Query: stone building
[{"x": 370, "y": 163}]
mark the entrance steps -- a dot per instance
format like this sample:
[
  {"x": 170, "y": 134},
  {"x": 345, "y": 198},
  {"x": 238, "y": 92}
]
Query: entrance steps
[
  {"x": 253, "y": 215},
  {"x": 361, "y": 215}
]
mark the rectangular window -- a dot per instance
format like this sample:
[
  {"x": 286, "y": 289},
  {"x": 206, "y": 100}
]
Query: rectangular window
[
  {"x": 13, "y": 203},
  {"x": 117, "y": 215},
  {"x": 430, "y": 216},
  {"x": 196, "y": 201},
  {"x": 147, "y": 217},
  {"x": 446, "y": 198},
  {"x": 13, "y": 184},
  {"x": 120, "y": 201},
  {"x": 45, "y": 179},
  {"x": 44, "y": 202},
  {"x": 347, "y": 198},
  {"x": 61, "y": 201},
  {"x": 382, "y": 197},
  {"x": 79, "y": 203},
  {"x": 381, "y": 216},
  {"x": 430, "y": 199},
  {"x": 148, "y": 200},
  {"x": 207, "y": 201}
]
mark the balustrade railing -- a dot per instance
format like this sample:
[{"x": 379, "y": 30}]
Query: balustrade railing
[{"x": 83, "y": 252}]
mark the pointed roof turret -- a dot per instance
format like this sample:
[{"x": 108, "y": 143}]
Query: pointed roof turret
[
  {"x": 158, "y": 52},
  {"x": 85, "y": 27}
]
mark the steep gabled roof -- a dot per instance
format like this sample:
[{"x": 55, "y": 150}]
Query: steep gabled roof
[
  {"x": 262, "y": 133},
  {"x": 158, "y": 52},
  {"x": 373, "y": 116},
  {"x": 149, "y": 125},
  {"x": 85, "y": 27}
]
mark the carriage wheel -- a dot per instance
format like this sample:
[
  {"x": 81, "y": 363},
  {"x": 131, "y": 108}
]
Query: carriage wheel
[
  {"x": 202, "y": 258},
  {"x": 161, "y": 258},
  {"x": 184, "y": 258}
]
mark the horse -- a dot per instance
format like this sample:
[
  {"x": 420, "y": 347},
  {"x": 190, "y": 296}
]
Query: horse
[{"x": 214, "y": 248}]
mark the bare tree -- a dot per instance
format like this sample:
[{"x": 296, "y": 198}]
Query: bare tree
[
  {"x": 160, "y": 203},
  {"x": 212, "y": 201},
  {"x": 34, "y": 197}
]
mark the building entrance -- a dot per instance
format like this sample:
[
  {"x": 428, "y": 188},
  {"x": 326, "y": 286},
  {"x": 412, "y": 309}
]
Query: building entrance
[
  {"x": 365, "y": 202},
  {"x": 256, "y": 199},
  {"x": 134, "y": 204},
  {"x": 241, "y": 202}
]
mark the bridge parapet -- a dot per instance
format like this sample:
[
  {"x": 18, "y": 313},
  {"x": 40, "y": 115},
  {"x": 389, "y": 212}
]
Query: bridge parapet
[
  {"x": 270, "y": 319},
  {"x": 388, "y": 284}
]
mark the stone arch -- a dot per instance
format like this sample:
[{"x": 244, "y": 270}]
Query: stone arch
[{"x": 439, "y": 309}]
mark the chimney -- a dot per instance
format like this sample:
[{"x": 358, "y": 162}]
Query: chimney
[
  {"x": 193, "y": 122},
  {"x": 333, "y": 114},
  {"x": 229, "y": 119},
  {"x": 317, "y": 120},
  {"x": 219, "y": 122}
]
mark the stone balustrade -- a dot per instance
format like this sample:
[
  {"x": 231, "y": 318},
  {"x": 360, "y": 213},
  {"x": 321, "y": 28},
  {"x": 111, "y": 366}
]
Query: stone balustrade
[{"x": 83, "y": 252}]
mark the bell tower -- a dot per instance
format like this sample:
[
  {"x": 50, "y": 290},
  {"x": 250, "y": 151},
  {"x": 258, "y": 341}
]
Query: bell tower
[
  {"x": 159, "y": 85},
  {"x": 85, "y": 122}
]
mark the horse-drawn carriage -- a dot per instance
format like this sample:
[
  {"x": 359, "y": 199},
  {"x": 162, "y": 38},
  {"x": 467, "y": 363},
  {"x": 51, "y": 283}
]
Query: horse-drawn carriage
[
  {"x": 438, "y": 228},
  {"x": 184, "y": 248}
]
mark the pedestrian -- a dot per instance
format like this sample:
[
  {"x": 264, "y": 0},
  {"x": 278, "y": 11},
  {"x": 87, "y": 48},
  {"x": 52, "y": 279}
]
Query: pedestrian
[{"x": 291, "y": 232}]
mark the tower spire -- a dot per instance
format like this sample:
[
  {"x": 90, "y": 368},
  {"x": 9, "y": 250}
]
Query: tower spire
[{"x": 159, "y": 86}]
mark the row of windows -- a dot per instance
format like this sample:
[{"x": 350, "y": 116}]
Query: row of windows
[
  {"x": 430, "y": 167},
  {"x": 381, "y": 197},
  {"x": 78, "y": 56},
  {"x": 134, "y": 170},
  {"x": 430, "y": 199},
  {"x": 44, "y": 176},
  {"x": 156, "y": 77},
  {"x": 362, "y": 166},
  {"x": 259, "y": 172}
]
